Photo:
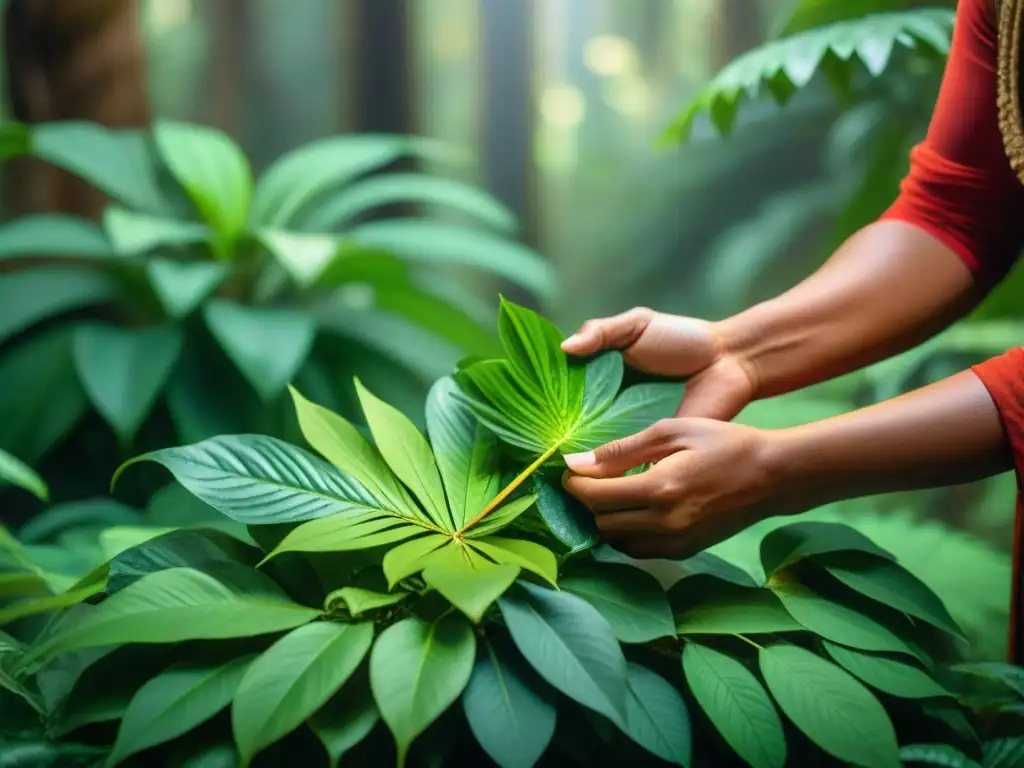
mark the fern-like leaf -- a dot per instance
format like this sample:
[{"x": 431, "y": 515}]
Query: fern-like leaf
[{"x": 782, "y": 67}]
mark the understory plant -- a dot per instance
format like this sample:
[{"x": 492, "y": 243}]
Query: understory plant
[
  {"x": 433, "y": 599},
  {"x": 206, "y": 290}
]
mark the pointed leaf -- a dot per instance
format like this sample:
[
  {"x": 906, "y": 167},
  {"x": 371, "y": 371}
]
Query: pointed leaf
[
  {"x": 304, "y": 256},
  {"x": 896, "y": 678},
  {"x": 124, "y": 370},
  {"x": 16, "y": 472},
  {"x": 656, "y": 716},
  {"x": 570, "y": 645},
  {"x": 260, "y": 480},
  {"x": 131, "y": 233},
  {"x": 410, "y": 558},
  {"x": 293, "y": 679},
  {"x": 268, "y": 344},
  {"x": 791, "y": 543},
  {"x": 603, "y": 379},
  {"x": 33, "y": 295},
  {"x": 510, "y": 711},
  {"x": 417, "y": 671},
  {"x": 175, "y": 702},
  {"x": 502, "y": 517},
  {"x": 565, "y": 516},
  {"x": 936, "y": 754},
  {"x": 52, "y": 234},
  {"x": 359, "y": 601},
  {"x": 346, "y": 719},
  {"x": 344, "y": 533},
  {"x": 730, "y": 609},
  {"x": 632, "y": 601},
  {"x": 737, "y": 705},
  {"x": 633, "y": 411},
  {"x": 181, "y": 286},
  {"x": 528, "y": 555},
  {"x": 835, "y": 711},
  {"x": 468, "y": 581}
]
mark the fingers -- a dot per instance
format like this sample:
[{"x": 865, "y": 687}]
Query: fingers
[
  {"x": 715, "y": 394},
  {"x": 676, "y": 547},
  {"x": 617, "y": 332},
  {"x": 619, "y": 456},
  {"x": 610, "y": 494}
]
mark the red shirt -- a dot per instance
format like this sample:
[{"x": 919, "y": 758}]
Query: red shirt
[{"x": 962, "y": 191}]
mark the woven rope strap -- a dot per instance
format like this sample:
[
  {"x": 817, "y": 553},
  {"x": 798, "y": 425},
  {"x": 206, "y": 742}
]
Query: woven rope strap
[{"x": 1008, "y": 76}]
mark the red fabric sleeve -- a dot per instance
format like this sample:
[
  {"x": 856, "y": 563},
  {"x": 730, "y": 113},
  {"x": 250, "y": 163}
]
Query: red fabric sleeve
[
  {"x": 1003, "y": 376},
  {"x": 960, "y": 188}
]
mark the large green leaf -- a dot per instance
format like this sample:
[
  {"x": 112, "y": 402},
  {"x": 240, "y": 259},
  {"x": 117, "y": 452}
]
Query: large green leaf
[
  {"x": 182, "y": 285},
  {"x": 790, "y": 544},
  {"x": 528, "y": 555},
  {"x": 468, "y": 581},
  {"x": 565, "y": 516},
  {"x": 510, "y": 711},
  {"x": 729, "y": 609},
  {"x": 213, "y": 171},
  {"x": 359, "y": 601},
  {"x": 124, "y": 370},
  {"x": 417, "y": 671},
  {"x": 16, "y": 472},
  {"x": 268, "y": 344},
  {"x": 175, "y": 702},
  {"x": 293, "y": 679},
  {"x": 656, "y": 716},
  {"x": 260, "y": 480},
  {"x": 782, "y": 67},
  {"x": 303, "y": 256},
  {"x": 636, "y": 409},
  {"x": 632, "y": 601},
  {"x": 52, "y": 234},
  {"x": 570, "y": 645},
  {"x": 937, "y": 754},
  {"x": 34, "y": 295},
  {"x": 346, "y": 719},
  {"x": 132, "y": 233},
  {"x": 737, "y": 704},
  {"x": 896, "y": 678},
  {"x": 835, "y": 711},
  {"x": 344, "y": 533},
  {"x": 175, "y": 605},
  {"x": 412, "y": 557}
]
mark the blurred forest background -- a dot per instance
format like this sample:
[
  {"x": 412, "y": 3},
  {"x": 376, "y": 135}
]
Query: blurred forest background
[{"x": 556, "y": 106}]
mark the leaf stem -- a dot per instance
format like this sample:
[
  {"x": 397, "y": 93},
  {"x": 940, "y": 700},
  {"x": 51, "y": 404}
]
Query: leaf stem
[
  {"x": 747, "y": 640},
  {"x": 508, "y": 489}
]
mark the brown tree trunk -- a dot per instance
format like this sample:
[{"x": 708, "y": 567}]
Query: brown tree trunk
[{"x": 71, "y": 60}]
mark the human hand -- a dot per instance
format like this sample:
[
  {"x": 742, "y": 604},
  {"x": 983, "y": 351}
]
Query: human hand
[
  {"x": 711, "y": 480},
  {"x": 719, "y": 384}
]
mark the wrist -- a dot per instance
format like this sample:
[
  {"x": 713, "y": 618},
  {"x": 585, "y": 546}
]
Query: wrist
[{"x": 801, "y": 477}]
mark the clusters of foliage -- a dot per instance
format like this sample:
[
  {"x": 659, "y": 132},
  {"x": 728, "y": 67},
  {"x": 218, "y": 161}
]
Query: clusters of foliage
[
  {"x": 438, "y": 598},
  {"x": 205, "y": 291}
]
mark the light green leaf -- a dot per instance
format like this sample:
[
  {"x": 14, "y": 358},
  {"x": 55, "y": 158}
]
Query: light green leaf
[
  {"x": 260, "y": 480},
  {"x": 730, "y": 609},
  {"x": 304, "y": 256},
  {"x": 890, "y": 584},
  {"x": 35, "y": 606},
  {"x": 175, "y": 605},
  {"x": 792, "y": 543},
  {"x": 565, "y": 516},
  {"x": 634, "y": 410},
  {"x": 896, "y": 678},
  {"x": 16, "y": 472},
  {"x": 737, "y": 705},
  {"x": 175, "y": 702},
  {"x": 835, "y": 711},
  {"x": 344, "y": 533},
  {"x": 124, "y": 370},
  {"x": 33, "y": 295},
  {"x": 213, "y": 171},
  {"x": 346, "y": 719},
  {"x": 656, "y": 716},
  {"x": 415, "y": 188},
  {"x": 466, "y": 453},
  {"x": 408, "y": 455},
  {"x": 293, "y": 679},
  {"x": 417, "y": 671},
  {"x": 510, "y": 711},
  {"x": 936, "y": 754},
  {"x": 181, "y": 286},
  {"x": 501, "y": 517},
  {"x": 359, "y": 601},
  {"x": 131, "y": 233},
  {"x": 468, "y": 581},
  {"x": 570, "y": 645},
  {"x": 268, "y": 344},
  {"x": 632, "y": 601},
  {"x": 603, "y": 379},
  {"x": 52, "y": 234},
  {"x": 410, "y": 558},
  {"x": 528, "y": 555}
]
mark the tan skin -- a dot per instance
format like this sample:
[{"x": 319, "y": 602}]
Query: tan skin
[{"x": 714, "y": 478}]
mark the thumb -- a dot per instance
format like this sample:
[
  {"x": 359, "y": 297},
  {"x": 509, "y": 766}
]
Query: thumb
[
  {"x": 619, "y": 456},
  {"x": 617, "y": 332}
]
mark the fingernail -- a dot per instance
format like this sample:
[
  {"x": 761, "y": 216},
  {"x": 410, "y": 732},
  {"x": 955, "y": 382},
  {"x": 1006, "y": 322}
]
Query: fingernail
[{"x": 576, "y": 460}]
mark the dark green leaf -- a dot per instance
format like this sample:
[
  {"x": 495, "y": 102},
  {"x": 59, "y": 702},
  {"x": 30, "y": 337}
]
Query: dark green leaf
[
  {"x": 1004, "y": 752},
  {"x": 52, "y": 234},
  {"x": 936, "y": 754},
  {"x": 346, "y": 719},
  {"x": 656, "y": 716},
  {"x": 16, "y": 472},
  {"x": 565, "y": 516},
  {"x": 896, "y": 678},
  {"x": 34, "y": 295},
  {"x": 722, "y": 608},
  {"x": 49, "y": 524},
  {"x": 632, "y": 601},
  {"x": 791, "y": 543},
  {"x": 182, "y": 285}
]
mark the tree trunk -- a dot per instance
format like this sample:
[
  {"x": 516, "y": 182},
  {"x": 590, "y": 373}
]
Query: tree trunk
[{"x": 71, "y": 60}]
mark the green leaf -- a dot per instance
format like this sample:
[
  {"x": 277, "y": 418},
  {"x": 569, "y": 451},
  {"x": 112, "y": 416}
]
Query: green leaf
[
  {"x": 410, "y": 558},
  {"x": 213, "y": 171},
  {"x": 468, "y": 581},
  {"x": 293, "y": 679},
  {"x": 359, "y": 601},
  {"x": 570, "y": 645},
  {"x": 260, "y": 480},
  {"x": 466, "y": 453},
  {"x": 175, "y": 605},
  {"x": 175, "y": 702},
  {"x": 181, "y": 286},
  {"x": 896, "y": 678},
  {"x": 131, "y": 233},
  {"x": 415, "y": 188},
  {"x": 35, "y": 606},
  {"x": 632, "y": 601},
  {"x": 603, "y": 380},
  {"x": 633, "y": 411},
  {"x": 528, "y": 555},
  {"x": 656, "y": 716},
  {"x": 16, "y": 472},
  {"x": 1009, "y": 675},
  {"x": 344, "y": 533},
  {"x": 124, "y": 370},
  {"x": 346, "y": 719},
  {"x": 737, "y": 704},
  {"x": 268, "y": 344},
  {"x": 433, "y": 242},
  {"x": 52, "y": 234},
  {"x": 936, "y": 754},
  {"x": 100, "y": 512},
  {"x": 1004, "y": 752},
  {"x": 408, "y": 455},
  {"x": 501, "y": 517},
  {"x": 790, "y": 544},
  {"x": 890, "y": 584},
  {"x": 303, "y": 256},
  {"x": 565, "y": 516},
  {"x": 835, "y": 711},
  {"x": 417, "y": 671},
  {"x": 510, "y": 711},
  {"x": 33, "y": 295},
  {"x": 729, "y": 609}
]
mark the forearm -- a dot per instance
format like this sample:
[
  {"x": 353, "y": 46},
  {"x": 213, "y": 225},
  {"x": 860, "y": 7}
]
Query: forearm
[
  {"x": 944, "y": 434},
  {"x": 887, "y": 289}
]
